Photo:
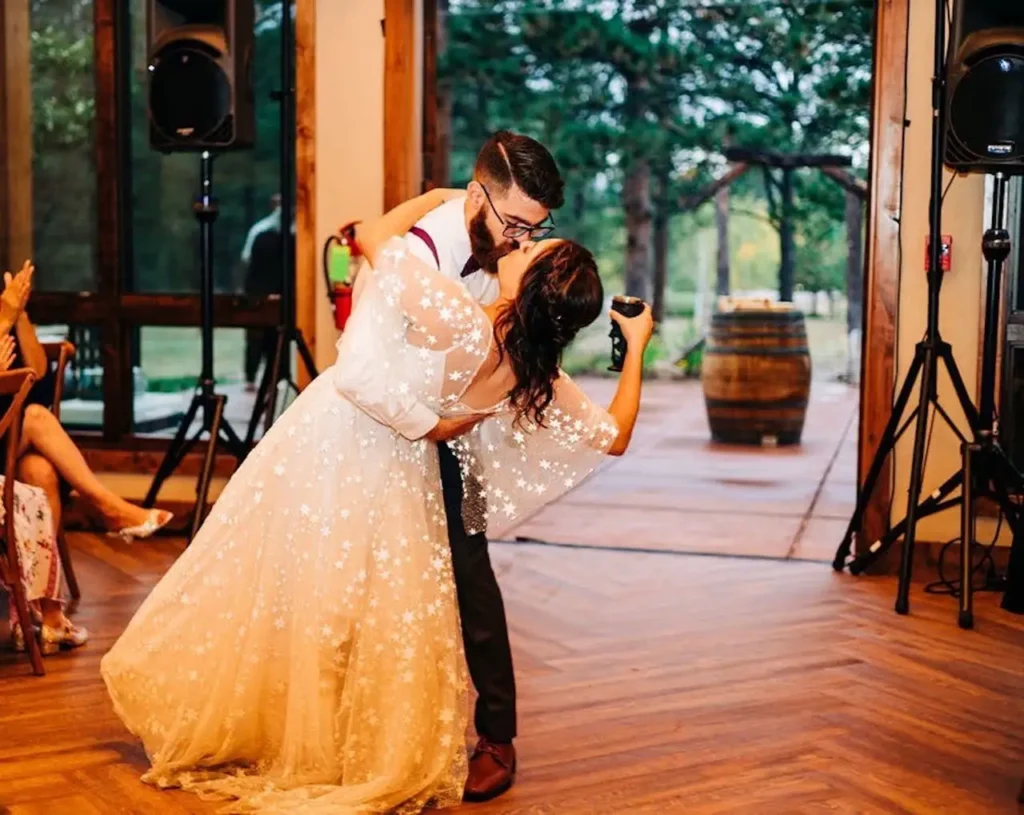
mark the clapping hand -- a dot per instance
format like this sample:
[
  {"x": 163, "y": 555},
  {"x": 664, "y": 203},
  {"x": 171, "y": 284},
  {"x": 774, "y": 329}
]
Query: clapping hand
[
  {"x": 17, "y": 289},
  {"x": 7, "y": 352}
]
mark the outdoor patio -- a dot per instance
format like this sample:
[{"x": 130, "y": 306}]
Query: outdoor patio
[{"x": 677, "y": 491}]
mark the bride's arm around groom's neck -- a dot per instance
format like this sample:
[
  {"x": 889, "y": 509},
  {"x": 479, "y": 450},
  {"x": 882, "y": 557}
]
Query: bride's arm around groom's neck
[{"x": 373, "y": 235}]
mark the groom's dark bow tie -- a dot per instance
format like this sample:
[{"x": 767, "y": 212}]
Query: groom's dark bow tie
[{"x": 470, "y": 267}]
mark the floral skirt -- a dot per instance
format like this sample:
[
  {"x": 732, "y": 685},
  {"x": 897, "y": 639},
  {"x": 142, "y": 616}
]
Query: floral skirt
[{"x": 37, "y": 545}]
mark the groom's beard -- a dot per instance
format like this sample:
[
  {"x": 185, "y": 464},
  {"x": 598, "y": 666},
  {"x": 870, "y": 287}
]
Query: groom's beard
[{"x": 485, "y": 251}]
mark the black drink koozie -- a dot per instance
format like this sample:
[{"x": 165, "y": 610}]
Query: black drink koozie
[{"x": 628, "y": 307}]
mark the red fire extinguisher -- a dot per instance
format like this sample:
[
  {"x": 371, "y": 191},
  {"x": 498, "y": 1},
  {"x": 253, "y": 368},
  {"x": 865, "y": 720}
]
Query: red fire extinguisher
[{"x": 341, "y": 256}]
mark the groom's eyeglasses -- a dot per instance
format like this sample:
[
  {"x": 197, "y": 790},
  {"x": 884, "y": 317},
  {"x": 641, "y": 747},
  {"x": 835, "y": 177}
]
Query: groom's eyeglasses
[{"x": 514, "y": 231}]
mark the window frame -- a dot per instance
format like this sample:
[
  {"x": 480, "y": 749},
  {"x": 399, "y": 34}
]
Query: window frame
[{"x": 115, "y": 310}]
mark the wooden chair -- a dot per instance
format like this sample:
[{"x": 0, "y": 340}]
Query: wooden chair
[
  {"x": 58, "y": 355},
  {"x": 17, "y": 384}
]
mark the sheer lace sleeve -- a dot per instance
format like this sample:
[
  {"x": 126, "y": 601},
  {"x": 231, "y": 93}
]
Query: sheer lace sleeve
[
  {"x": 510, "y": 470},
  {"x": 412, "y": 344}
]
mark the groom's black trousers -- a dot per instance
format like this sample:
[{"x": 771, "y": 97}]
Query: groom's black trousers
[{"x": 484, "y": 630}]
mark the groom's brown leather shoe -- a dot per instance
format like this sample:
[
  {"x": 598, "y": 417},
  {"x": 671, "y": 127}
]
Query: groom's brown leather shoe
[{"x": 492, "y": 768}]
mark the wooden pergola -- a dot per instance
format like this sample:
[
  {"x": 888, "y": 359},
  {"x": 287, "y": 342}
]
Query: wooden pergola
[{"x": 832, "y": 166}]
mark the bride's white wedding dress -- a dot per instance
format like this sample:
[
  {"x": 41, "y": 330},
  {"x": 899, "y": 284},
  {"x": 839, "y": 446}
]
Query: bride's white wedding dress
[{"x": 304, "y": 653}]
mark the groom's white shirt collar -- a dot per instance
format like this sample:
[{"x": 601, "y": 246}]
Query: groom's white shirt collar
[{"x": 446, "y": 226}]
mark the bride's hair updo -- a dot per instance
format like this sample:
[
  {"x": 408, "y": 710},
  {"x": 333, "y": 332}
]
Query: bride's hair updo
[{"x": 560, "y": 293}]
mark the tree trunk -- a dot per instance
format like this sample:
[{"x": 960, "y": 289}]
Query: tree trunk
[
  {"x": 722, "y": 284},
  {"x": 636, "y": 200},
  {"x": 854, "y": 284},
  {"x": 661, "y": 223},
  {"x": 787, "y": 271}
]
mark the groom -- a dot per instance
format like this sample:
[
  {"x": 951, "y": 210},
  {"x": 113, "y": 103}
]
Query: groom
[{"x": 515, "y": 186}]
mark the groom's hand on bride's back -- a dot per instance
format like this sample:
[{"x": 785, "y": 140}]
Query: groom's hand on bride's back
[{"x": 450, "y": 428}]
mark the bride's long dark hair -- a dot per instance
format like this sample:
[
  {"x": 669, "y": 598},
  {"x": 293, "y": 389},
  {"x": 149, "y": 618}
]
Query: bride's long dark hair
[{"x": 560, "y": 293}]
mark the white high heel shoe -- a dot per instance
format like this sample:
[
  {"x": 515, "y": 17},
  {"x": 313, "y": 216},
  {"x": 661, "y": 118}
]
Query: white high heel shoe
[{"x": 156, "y": 520}]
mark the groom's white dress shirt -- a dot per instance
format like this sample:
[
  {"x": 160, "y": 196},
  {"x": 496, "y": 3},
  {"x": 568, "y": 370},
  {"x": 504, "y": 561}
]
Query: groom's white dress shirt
[{"x": 446, "y": 227}]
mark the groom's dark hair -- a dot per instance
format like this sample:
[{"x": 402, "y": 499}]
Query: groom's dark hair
[{"x": 508, "y": 158}]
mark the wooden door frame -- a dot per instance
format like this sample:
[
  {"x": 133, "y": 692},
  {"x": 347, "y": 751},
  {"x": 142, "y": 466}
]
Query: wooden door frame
[
  {"x": 15, "y": 134},
  {"x": 307, "y": 256},
  {"x": 883, "y": 253},
  {"x": 403, "y": 170}
]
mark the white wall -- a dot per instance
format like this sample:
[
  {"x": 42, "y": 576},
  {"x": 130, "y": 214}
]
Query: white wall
[{"x": 349, "y": 130}]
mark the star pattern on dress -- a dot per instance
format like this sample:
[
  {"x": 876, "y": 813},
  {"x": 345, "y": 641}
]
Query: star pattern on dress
[{"x": 320, "y": 591}]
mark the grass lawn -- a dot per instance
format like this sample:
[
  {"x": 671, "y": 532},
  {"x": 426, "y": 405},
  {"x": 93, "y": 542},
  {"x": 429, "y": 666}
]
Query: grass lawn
[{"x": 176, "y": 353}]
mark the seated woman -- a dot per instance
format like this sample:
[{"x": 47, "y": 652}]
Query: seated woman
[
  {"x": 48, "y": 455},
  {"x": 35, "y": 534}
]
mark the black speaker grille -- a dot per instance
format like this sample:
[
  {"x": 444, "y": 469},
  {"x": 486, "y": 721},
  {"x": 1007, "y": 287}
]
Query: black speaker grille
[
  {"x": 986, "y": 113},
  {"x": 189, "y": 95}
]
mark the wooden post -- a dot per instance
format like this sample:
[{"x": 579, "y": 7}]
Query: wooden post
[
  {"x": 437, "y": 103},
  {"x": 722, "y": 283},
  {"x": 15, "y": 134},
  {"x": 662, "y": 220},
  {"x": 854, "y": 282},
  {"x": 856, "y": 194},
  {"x": 636, "y": 200},
  {"x": 787, "y": 264},
  {"x": 402, "y": 158},
  {"x": 307, "y": 255},
  {"x": 892, "y": 20}
]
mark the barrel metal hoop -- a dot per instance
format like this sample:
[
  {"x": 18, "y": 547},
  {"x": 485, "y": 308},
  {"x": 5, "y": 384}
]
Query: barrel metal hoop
[{"x": 752, "y": 404}]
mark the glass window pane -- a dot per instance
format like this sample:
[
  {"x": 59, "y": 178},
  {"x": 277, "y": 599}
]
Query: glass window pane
[
  {"x": 168, "y": 367},
  {"x": 165, "y": 232},
  {"x": 63, "y": 162},
  {"x": 81, "y": 407}
]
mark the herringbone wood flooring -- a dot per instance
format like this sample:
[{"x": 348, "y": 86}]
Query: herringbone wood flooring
[{"x": 649, "y": 683}]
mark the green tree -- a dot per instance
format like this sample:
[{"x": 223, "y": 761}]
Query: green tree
[
  {"x": 63, "y": 164},
  {"x": 637, "y": 96},
  {"x": 793, "y": 78}
]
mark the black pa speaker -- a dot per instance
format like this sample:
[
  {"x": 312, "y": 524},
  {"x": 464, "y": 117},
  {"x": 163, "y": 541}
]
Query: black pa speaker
[
  {"x": 985, "y": 87},
  {"x": 200, "y": 93}
]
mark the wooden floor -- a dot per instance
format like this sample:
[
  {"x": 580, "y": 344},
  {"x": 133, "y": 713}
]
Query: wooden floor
[{"x": 649, "y": 683}]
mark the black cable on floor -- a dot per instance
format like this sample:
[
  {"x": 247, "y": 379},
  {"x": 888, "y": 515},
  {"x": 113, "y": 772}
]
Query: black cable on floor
[{"x": 991, "y": 580}]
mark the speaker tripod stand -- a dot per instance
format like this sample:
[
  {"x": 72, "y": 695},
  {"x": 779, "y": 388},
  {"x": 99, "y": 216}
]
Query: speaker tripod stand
[
  {"x": 985, "y": 469},
  {"x": 277, "y": 375},
  {"x": 205, "y": 401}
]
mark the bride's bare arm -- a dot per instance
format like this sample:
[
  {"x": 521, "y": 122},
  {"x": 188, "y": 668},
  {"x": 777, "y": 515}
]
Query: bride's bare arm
[
  {"x": 626, "y": 402},
  {"x": 374, "y": 234}
]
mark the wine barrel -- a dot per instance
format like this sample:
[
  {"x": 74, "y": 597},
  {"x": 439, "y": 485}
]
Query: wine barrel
[{"x": 757, "y": 375}]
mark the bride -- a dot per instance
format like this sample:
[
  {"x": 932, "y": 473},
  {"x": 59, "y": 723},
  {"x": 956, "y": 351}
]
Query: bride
[{"x": 304, "y": 653}]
